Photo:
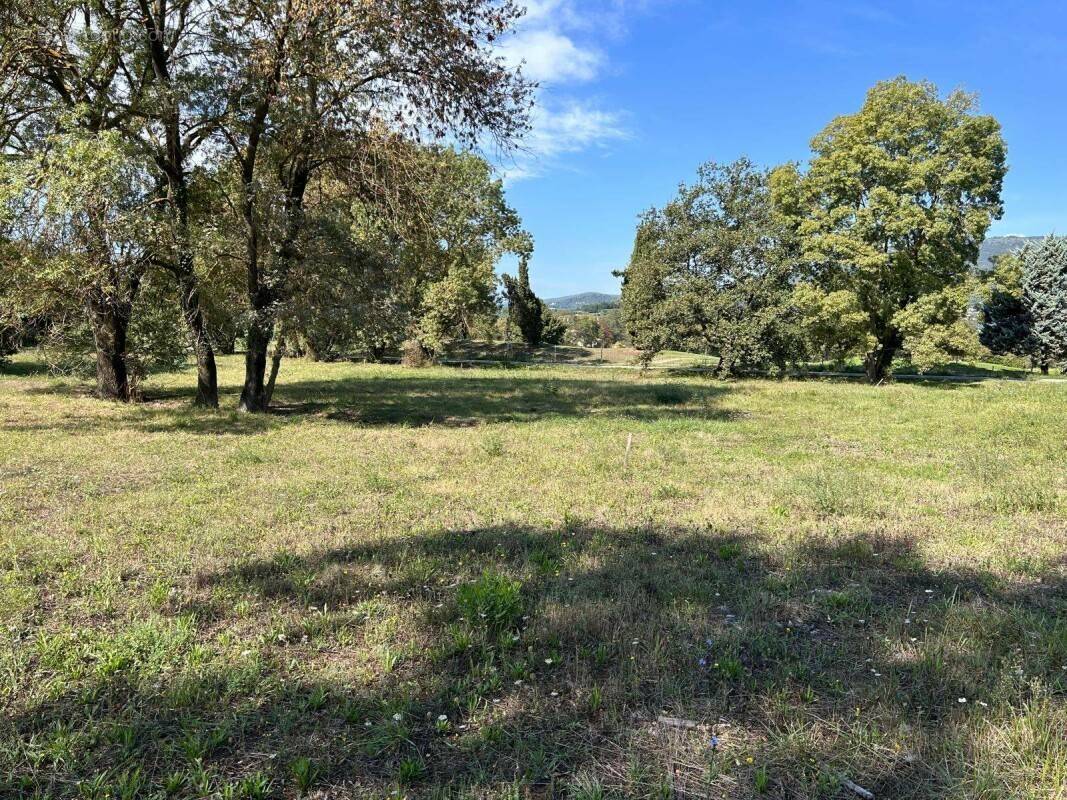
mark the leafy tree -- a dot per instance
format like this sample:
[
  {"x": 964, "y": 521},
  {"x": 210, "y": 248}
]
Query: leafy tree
[
  {"x": 463, "y": 228},
  {"x": 552, "y": 328},
  {"x": 316, "y": 87},
  {"x": 367, "y": 280},
  {"x": 81, "y": 211},
  {"x": 938, "y": 327},
  {"x": 711, "y": 273},
  {"x": 832, "y": 324},
  {"x": 896, "y": 201},
  {"x": 1044, "y": 290},
  {"x": 136, "y": 69}
]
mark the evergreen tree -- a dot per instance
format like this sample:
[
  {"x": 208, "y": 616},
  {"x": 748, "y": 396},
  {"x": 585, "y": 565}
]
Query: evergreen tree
[
  {"x": 1044, "y": 291},
  {"x": 535, "y": 322}
]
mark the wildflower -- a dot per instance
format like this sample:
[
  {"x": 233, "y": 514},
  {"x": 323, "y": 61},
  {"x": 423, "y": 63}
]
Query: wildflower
[
  {"x": 714, "y": 743},
  {"x": 709, "y": 642},
  {"x": 703, "y": 662},
  {"x": 962, "y": 700},
  {"x": 397, "y": 716},
  {"x": 442, "y": 718}
]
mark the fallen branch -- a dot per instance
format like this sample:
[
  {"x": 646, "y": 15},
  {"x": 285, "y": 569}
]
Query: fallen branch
[
  {"x": 857, "y": 789},
  {"x": 677, "y": 722}
]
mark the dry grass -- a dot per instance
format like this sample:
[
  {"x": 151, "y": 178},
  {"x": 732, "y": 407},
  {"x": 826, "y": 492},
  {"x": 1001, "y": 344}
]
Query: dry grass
[{"x": 204, "y": 604}]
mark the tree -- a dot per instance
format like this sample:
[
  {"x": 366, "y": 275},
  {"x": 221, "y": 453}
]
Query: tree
[
  {"x": 1044, "y": 290},
  {"x": 1006, "y": 323},
  {"x": 368, "y": 280},
  {"x": 535, "y": 321},
  {"x": 313, "y": 86},
  {"x": 832, "y": 324},
  {"x": 129, "y": 67},
  {"x": 939, "y": 328},
  {"x": 81, "y": 210},
  {"x": 463, "y": 228},
  {"x": 896, "y": 201},
  {"x": 711, "y": 273}
]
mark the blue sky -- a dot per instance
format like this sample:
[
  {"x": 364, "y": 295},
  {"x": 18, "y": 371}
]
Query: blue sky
[{"x": 636, "y": 93}]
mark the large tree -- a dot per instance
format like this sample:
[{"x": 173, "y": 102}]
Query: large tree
[
  {"x": 711, "y": 271},
  {"x": 308, "y": 87},
  {"x": 896, "y": 201},
  {"x": 80, "y": 212},
  {"x": 132, "y": 67}
]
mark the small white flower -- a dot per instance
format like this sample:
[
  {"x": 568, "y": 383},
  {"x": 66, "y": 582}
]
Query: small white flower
[
  {"x": 555, "y": 694},
  {"x": 398, "y": 716},
  {"x": 548, "y": 660},
  {"x": 443, "y": 718},
  {"x": 962, "y": 700},
  {"x": 366, "y": 724}
]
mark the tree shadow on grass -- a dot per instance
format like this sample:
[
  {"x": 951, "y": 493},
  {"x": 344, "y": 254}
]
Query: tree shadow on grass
[
  {"x": 527, "y": 662},
  {"x": 441, "y": 399}
]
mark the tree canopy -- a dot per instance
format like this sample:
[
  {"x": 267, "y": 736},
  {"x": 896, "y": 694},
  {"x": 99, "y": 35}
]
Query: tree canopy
[
  {"x": 710, "y": 272},
  {"x": 895, "y": 202}
]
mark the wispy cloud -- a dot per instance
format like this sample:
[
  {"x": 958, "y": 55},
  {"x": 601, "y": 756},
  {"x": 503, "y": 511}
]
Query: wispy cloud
[{"x": 559, "y": 45}]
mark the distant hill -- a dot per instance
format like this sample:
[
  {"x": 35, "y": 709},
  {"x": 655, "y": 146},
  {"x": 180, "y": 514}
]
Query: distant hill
[
  {"x": 575, "y": 301},
  {"x": 998, "y": 245}
]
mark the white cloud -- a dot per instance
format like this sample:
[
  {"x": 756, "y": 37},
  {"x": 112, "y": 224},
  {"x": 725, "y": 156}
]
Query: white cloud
[
  {"x": 555, "y": 43},
  {"x": 571, "y": 126},
  {"x": 548, "y": 56}
]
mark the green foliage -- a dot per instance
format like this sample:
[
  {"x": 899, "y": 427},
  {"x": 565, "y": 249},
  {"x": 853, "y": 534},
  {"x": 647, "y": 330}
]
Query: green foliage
[
  {"x": 896, "y": 201},
  {"x": 832, "y": 324},
  {"x": 1044, "y": 286},
  {"x": 534, "y": 320},
  {"x": 937, "y": 328},
  {"x": 1006, "y": 322},
  {"x": 553, "y": 329},
  {"x": 494, "y": 600},
  {"x": 710, "y": 273}
]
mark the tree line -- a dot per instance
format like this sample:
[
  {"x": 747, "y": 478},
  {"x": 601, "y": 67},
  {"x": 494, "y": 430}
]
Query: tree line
[
  {"x": 869, "y": 251},
  {"x": 180, "y": 174}
]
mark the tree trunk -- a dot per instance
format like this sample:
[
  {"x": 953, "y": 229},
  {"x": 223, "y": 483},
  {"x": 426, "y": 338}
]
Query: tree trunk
[
  {"x": 275, "y": 365},
  {"x": 1044, "y": 368},
  {"x": 110, "y": 325},
  {"x": 254, "y": 397},
  {"x": 880, "y": 359},
  {"x": 207, "y": 380}
]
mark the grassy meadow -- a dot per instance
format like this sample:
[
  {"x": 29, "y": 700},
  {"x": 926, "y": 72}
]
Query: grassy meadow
[{"x": 449, "y": 583}]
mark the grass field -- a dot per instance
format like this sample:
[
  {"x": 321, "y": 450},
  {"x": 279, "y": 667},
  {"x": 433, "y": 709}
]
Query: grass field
[{"x": 465, "y": 583}]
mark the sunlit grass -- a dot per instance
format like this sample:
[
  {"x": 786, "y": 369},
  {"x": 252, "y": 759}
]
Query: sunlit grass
[{"x": 466, "y": 581}]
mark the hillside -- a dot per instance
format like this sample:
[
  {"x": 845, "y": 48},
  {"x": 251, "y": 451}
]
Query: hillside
[
  {"x": 575, "y": 301},
  {"x": 998, "y": 245}
]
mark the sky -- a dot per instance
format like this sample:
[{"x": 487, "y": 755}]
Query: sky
[{"x": 635, "y": 94}]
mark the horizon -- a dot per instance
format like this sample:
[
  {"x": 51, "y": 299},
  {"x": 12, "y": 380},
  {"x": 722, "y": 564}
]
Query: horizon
[{"x": 609, "y": 140}]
